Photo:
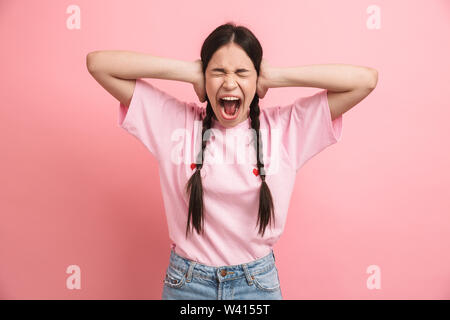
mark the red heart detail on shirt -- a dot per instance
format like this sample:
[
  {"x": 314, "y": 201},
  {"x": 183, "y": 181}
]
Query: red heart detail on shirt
[
  {"x": 193, "y": 165},
  {"x": 255, "y": 172}
]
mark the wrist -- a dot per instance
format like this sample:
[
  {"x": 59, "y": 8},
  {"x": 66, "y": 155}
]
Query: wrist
[
  {"x": 195, "y": 71},
  {"x": 273, "y": 78}
]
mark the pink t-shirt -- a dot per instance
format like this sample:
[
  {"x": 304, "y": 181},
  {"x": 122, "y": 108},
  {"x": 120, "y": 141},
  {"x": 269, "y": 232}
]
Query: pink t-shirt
[{"x": 171, "y": 130}]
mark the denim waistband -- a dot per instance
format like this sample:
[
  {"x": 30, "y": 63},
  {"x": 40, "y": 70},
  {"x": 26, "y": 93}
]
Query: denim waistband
[{"x": 224, "y": 273}]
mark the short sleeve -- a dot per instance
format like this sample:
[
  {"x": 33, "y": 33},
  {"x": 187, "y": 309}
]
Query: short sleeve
[
  {"x": 152, "y": 117},
  {"x": 307, "y": 128}
]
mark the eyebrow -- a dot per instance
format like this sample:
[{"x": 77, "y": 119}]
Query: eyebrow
[{"x": 223, "y": 70}]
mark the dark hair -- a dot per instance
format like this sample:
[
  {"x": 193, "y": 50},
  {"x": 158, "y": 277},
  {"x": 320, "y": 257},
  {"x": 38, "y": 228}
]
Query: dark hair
[{"x": 223, "y": 35}]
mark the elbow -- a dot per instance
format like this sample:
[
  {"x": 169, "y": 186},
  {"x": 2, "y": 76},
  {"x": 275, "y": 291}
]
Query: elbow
[
  {"x": 91, "y": 61},
  {"x": 373, "y": 79}
]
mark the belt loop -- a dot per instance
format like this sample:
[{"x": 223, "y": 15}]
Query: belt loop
[
  {"x": 273, "y": 253},
  {"x": 190, "y": 270},
  {"x": 247, "y": 274}
]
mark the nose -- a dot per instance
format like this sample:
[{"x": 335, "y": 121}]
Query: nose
[{"x": 229, "y": 82}]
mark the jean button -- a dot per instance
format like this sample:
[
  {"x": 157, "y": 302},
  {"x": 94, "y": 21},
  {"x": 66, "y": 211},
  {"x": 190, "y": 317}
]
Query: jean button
[{"x": 223, "y": 272}]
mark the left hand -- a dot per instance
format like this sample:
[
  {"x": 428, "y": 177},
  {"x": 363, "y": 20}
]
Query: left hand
[{"x": 262, "y": 82}]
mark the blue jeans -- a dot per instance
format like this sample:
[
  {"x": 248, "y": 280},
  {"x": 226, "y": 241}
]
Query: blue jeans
[{"x": 188, "y": 280}]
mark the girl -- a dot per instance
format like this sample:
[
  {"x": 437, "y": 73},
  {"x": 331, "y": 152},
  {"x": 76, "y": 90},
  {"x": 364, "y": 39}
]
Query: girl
[{"x": 224, "y": 215}]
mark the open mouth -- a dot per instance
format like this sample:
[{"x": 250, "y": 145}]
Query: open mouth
[{"x": 230, "y": 108}]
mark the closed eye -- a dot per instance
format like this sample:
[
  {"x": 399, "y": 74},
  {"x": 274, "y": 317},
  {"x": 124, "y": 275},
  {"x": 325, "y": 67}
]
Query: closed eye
[
  {"x": 238, "y": 72},
  {"x": 223, "y": 70}
]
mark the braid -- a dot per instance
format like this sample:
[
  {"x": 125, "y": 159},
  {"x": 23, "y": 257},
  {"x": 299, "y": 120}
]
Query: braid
[
  {"x": 194, "y": 186},
  {"x": 254, "y": 117},
  {"x": 266, "y": 210},
  {"x": 195, "y": 189}
]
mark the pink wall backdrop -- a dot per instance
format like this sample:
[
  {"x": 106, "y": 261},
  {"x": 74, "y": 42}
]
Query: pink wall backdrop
[{"x": 79, "y": 191}]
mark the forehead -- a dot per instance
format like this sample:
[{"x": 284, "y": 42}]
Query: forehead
[{"x": 229, "y": 57}]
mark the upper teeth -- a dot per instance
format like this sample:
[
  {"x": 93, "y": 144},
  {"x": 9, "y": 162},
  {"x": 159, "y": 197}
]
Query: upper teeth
[{"x": 230, "y": 98}]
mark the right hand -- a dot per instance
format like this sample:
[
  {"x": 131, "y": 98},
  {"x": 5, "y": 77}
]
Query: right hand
[{"x": 199, "y": 81}]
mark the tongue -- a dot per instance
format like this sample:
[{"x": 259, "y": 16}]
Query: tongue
[{"x": 230, "y": 106}]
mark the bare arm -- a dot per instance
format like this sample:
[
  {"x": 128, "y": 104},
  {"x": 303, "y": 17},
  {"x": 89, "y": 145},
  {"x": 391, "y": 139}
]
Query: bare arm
[
  {"x": 347, "y": 85},
  {"x": 117, "y": 71},
  {"x": 134, "y": 65},
  {"x": 334, "y": 77}
]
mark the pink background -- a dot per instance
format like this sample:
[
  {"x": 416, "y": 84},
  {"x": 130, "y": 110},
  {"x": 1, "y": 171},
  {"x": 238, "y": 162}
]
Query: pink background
[{"x": 77, "y": 190}]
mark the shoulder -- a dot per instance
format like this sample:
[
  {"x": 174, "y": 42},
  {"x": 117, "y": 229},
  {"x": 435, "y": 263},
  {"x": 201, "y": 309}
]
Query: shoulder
[{"x": 270, "y": 115}]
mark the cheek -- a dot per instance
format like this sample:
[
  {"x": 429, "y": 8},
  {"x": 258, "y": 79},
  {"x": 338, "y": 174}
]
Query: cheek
[
  {"x": 249, "y": 95},
  {"x": 211, "y": 88},
  {"x": 249, "y": 86}
]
